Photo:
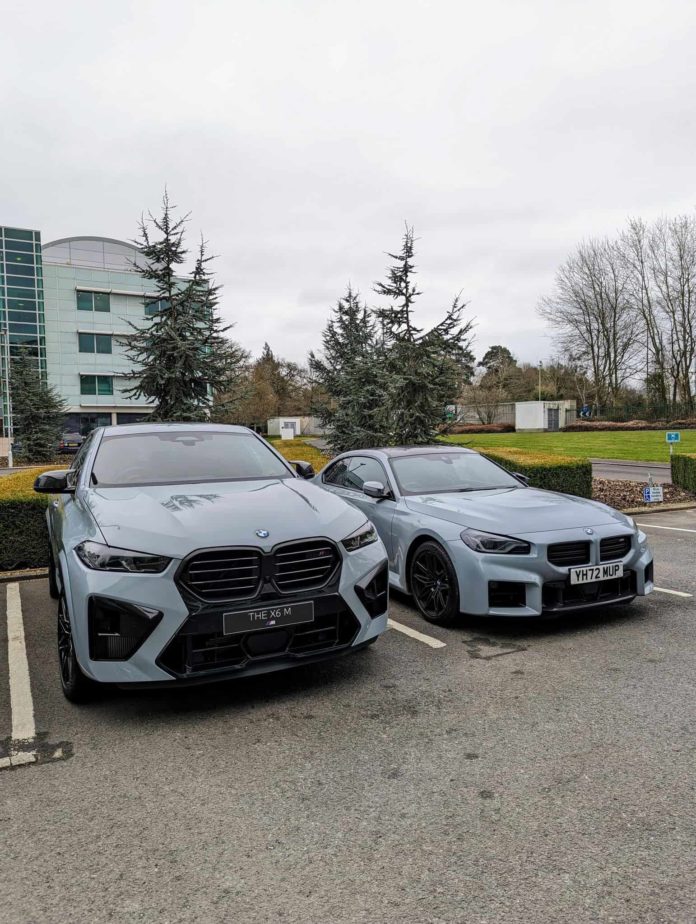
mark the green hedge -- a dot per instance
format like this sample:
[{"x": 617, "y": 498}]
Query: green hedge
[
  {"x": 23, "y": 535},
  {"x": 684, "y": 471},
  {"x": 544, "y": 470}
]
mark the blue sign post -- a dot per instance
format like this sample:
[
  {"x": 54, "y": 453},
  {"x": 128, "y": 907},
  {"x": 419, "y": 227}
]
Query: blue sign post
[{"x": 672, "y": 437}]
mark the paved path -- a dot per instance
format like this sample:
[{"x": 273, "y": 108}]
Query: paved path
[
  {"x": 537, "y": 772},
  {"x": 628, "y": 470}
]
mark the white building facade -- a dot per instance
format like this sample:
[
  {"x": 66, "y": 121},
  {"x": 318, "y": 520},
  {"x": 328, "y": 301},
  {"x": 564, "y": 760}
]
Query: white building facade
[{"x": 91, "y": 292}]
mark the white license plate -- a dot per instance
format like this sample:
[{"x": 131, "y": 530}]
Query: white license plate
[{"x": 591, "y": 573}]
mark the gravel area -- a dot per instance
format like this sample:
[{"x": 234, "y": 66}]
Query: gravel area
[{"x": 627, "y": 494}]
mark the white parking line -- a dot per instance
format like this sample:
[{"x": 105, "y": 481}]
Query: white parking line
[
  {"x": 21, "y": 703},
  {"x": 419, "y": 636},
  {"x": 674, "y": 593},
  {"x": 676, "y": 529}
]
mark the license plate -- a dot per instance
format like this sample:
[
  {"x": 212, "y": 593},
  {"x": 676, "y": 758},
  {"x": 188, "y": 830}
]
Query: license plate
[
  {"x": 592, "y": 573},
  {"x": 284, "y": 614}
]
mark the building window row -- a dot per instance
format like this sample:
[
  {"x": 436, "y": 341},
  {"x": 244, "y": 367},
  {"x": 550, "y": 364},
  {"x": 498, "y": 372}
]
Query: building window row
[
  {"x": 101, "y": 301},
  {"x": 95, "y": 343},
  {"x": 93, "y": 301},
  {"x": 96, "y": 385}
]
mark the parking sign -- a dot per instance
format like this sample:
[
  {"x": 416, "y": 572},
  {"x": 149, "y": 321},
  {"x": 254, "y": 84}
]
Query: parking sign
[{"x": 673, "y": 437}]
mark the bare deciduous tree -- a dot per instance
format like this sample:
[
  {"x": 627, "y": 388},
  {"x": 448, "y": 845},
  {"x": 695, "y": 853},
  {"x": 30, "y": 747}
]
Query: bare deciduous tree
[{"x": 592, "y": 311}]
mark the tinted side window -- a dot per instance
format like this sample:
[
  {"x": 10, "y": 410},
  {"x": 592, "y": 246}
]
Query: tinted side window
[
  {"x": 79, "y": 461},
  {"x": 353, "y": 473},
  {"x": 334, "y": 475}
]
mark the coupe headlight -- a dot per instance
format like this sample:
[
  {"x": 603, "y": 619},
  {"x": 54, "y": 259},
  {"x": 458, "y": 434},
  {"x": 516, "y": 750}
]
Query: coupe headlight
[
  {"x": 364, "y": 535},
  {"x": 106, "y": 558},
  {"x": 479, "y": 541}
]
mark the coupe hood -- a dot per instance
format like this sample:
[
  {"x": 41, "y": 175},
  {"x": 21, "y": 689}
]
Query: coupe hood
[
  {"x": 174, "y": 520},
  {"x": 514, "y": 511}
]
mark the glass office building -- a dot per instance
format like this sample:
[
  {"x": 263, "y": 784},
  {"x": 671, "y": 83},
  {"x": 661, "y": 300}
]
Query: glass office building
[
  {"x": 21, "y": 301},
  {"x": 71, "y": 302}
]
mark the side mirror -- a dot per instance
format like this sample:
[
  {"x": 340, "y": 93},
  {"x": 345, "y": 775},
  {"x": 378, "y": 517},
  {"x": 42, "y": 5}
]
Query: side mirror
[
  {"x": 53, "y": 483},
  {"x": 303, "y": 469},
  {"x": 376, "y": 489},
  {"x": 520, "y": 477}
]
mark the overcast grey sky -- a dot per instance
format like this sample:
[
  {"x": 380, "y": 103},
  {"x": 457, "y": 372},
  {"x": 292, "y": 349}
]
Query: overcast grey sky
[{"x": 302, "y": 134}]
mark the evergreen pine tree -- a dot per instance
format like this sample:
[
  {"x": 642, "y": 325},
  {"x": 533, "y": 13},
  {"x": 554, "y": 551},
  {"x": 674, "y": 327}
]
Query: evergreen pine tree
[
  {"x": 37, "y": 411},
  {"x": 182, "y": 358},
  {"x": 422, "y": 371},
  {"x": 348, "y": 377}
]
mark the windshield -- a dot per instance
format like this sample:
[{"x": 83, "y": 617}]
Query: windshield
[
  {"x": 184, "y": 457},
  {"x": 438, "y": 472}
]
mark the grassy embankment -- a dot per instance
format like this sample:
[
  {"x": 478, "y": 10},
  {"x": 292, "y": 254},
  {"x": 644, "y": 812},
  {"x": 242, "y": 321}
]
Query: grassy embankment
[{"x": 638, "y": 445}]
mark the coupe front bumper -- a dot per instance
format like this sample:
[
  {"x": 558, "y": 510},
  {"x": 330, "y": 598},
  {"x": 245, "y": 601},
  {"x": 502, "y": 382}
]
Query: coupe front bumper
[{"x": 531, "y": 585}]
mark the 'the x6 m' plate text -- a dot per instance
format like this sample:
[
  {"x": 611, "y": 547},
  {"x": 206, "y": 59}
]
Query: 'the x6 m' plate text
[
  {"x": 284, "y": 614},
  {"x": 593, "y": 573}
]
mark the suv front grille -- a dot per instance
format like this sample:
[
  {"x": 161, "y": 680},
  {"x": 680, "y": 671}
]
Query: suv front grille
[
  {"x": 614, "y": 547},
  {"x": 221, "y": 575},
  {"x": 304, "y": 565},
  {"x": 193, "y": 652},
  {"x": 569, "y": 553}
]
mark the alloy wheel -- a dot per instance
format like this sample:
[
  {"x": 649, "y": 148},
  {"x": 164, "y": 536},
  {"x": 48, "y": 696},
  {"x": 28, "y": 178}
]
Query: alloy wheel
[
  {"x": 66, "y": 651},
  {"x": 431, "y": 585}
]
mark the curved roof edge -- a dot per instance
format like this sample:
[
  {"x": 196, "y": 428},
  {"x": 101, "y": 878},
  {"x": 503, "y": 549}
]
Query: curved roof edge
[{"x": 90, "y": 237}]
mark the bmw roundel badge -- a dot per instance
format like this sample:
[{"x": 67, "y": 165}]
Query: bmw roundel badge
[
  {"x": 590, "y": 532},
  {"x": 262, "y": 533}
]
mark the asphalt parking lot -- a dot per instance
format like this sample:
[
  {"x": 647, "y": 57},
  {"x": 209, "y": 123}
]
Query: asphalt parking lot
[{"x": 496, "y": 772}]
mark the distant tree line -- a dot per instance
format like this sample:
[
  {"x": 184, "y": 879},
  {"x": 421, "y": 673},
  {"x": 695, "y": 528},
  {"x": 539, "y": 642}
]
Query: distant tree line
[{"x": 625, "y": 309}]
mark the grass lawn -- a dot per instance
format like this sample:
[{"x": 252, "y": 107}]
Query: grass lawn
[{"x": 641, "y": 445}]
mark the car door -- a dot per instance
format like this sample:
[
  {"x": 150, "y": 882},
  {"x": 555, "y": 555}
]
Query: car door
[{"x": 347, "y": 477}]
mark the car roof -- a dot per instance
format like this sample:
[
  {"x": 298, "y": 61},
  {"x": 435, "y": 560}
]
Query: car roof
[
  {"x": 155, "y": 426},
  {"x": 397, "y": 451}
]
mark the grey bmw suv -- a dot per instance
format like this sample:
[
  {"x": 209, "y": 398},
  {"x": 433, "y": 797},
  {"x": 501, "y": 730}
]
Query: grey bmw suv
[{"x": 182, "y": 553}]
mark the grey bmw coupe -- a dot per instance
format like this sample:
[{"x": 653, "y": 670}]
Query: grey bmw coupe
[
  {"x": 182, "y": 553},
  {"x": 464, "y": 535}
]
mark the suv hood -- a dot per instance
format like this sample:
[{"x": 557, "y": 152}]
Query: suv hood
[
  {"x": 515, "y": 511},
  {"x": 175, "y": 520}
]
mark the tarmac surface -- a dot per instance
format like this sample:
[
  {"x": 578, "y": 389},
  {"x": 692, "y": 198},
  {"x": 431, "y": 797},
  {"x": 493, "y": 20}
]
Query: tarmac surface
[{"x": 538, "y": 771}]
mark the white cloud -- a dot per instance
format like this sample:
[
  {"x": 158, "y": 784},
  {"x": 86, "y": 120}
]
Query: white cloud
[{"x": 301, "y": 135}]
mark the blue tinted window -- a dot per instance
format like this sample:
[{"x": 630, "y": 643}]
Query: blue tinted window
[
  {"x": 102, "y": 301},
  {"x": 85, "y": 343},
  {"x": 20, "y": 281},
  {"x": 88, "y": 384},
  {"x": 105, "y": 385},
  {"x": 102, "y": 343},
  {"x": 84, "y": 301}
]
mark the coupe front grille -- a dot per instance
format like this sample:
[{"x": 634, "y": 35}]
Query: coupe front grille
[
  {"x": 223, "y": 574},
  {"x": 614, "y": 547},
  {"x": 304, "y": 565},
  {"x": 559, "y": 595},
  {"x": 569, "y": 553}
]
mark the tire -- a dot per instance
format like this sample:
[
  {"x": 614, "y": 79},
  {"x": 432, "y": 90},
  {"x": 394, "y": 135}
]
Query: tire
[
  {"x": 433, "y": 584},
  {"x": 53, "y": 589},
  {"x": 77, "y": 687}
]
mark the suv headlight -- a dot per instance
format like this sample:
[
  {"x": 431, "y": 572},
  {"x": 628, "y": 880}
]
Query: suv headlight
[
  {"x": 363, "y": 535},
  {"x": 106, "y": 558},
  {"x": 479, "y": 541}
]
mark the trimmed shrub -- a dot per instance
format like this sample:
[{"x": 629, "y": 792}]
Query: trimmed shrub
[
  {"x": 544, "y": 470},
  {"x": 684, "y": 471},
  {"x": 23, "y": 536},
  {"x": 478, "y": 428},
  {"x": 589, "y": 426}
]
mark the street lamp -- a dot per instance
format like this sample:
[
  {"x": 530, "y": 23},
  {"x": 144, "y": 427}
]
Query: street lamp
[
  {"x": 4, "y": 333},
  {"x": 540, "y": 365}
]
